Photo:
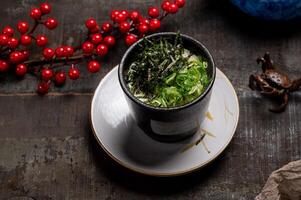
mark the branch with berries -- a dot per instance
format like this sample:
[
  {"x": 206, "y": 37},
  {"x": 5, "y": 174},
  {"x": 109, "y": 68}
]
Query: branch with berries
[{"x": 55, "y": 64}]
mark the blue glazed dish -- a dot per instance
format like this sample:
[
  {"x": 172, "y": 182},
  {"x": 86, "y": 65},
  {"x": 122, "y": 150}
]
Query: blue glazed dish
[{"x": 281, "y": 10}]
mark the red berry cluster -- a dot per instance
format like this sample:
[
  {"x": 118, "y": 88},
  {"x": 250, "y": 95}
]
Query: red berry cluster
[{"x": 58, "y": 63}]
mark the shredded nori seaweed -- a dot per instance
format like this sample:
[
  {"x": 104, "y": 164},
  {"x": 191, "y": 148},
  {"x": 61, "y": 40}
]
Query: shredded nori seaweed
[{"x": 163, "y": 74}]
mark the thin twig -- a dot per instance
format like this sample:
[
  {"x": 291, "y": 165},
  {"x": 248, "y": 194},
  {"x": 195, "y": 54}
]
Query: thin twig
[
  {"x": 38, "y": 62},
  {"x": 36, "y": 23}
]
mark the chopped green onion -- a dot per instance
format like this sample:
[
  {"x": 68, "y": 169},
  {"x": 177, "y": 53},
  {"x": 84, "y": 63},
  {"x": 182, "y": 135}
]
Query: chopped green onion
[{"x": 166, "y": 75}]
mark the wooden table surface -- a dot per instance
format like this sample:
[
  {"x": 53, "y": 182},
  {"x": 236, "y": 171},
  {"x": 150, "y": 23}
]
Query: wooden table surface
[{"x": 47, "y": 150}]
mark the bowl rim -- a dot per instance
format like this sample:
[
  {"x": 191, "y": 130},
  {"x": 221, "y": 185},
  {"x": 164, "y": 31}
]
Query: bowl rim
[{"x": 125, "y": 89}]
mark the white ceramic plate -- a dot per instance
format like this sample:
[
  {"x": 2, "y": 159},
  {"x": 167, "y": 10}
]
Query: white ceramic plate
[{"x": 124, "y": 142}]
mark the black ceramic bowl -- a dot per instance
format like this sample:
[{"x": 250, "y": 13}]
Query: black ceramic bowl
[{"x": 169, "y": 124}]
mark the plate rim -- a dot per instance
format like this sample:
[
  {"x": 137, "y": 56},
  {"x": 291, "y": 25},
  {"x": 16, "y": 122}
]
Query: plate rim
[{"x": 146, "y": 172}]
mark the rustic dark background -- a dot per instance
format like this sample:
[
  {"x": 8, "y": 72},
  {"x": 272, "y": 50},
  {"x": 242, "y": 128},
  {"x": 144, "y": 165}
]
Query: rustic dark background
[{"x": 47, "y": 150}]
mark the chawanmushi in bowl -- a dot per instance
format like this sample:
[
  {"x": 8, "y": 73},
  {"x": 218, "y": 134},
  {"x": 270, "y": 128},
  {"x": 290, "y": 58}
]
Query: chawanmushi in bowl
[{"x": 167, "y": 79}]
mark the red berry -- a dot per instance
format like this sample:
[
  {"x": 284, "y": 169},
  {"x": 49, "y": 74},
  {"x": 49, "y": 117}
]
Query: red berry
[
  {"x": 3, "y": 39},
  {"x": 153, "y": 12},
  {"x": 88, "y": 47},
  {"x": 48, "y": 53},
  {"x": 173, "y": 8},
  {"x": 68, "y": 51},
  {"x": 47, "y": 74},
  {"x": 13, "y": 43},
  {"x": 106, "y": 27},
  {"x": 144, "y": 21},
  {"x": 125, "y": 13},
  {"x": 41, "y": 40},
  {"x": 25, "y": 40},
  {"x": 120, "y": 18},
  {"x": 154, "y": 24},
  {"x": 91, "y": 23},
  {"x": 96, "y": 38},
  {"x": 109, "y": 41},
  {"x": 130, "y": 39},
  {"x": 143, "y": 28},
  {"x": 60, "y": 78},
  {"x": 114, "y": 13},
  {"x": 73, "y": 73},
  {"x": 51, "y": 23},
  {"x": 25, "y": 54},
  {"x": 45, "y": 8},
  {"x": 35, "y": 13},
  {"x": 102, "y": 50},
  {"x": 16, "y": 57},
  {"x": 93, "y": 66},
  {"x": 43, "y": 88},
  {"x": 60, "y": 52},
  {"x": 21, "y": 70},
  {"x": 3, "y": 66},
  {"x": 95, "y": 29},
  {"x": 165, "y": 5},
  {"x": 23, "y": 27},
  {"x": 9, "y": 31},
  {"x": 124, "y": 27},
  {"x": 180, "y": 3},
  {"x": 135, "y": 16}
]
